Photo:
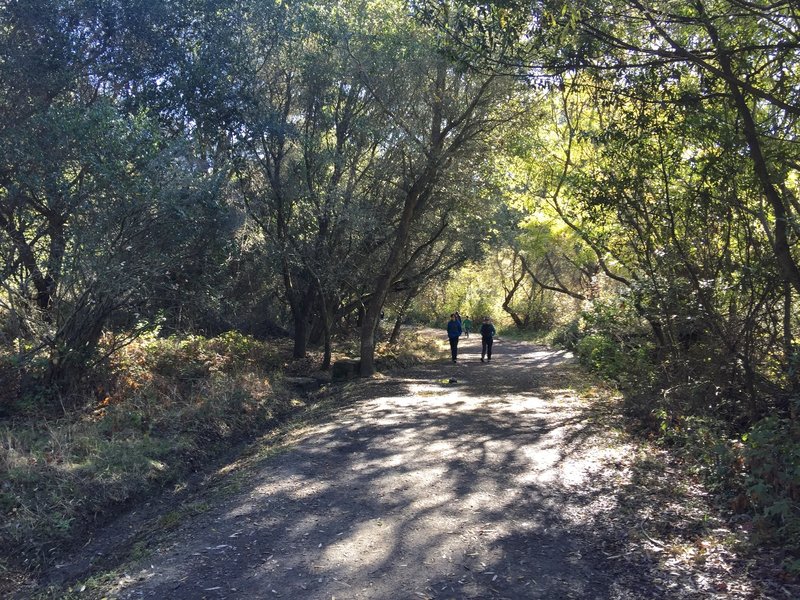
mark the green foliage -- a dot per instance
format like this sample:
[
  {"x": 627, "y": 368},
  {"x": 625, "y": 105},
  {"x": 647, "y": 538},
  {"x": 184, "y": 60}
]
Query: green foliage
[
  {"x": 602, "y": 354},
  {"x": 471, "y": 290},
  {"x": 611, "y": 340},
  {"x": 759, "y": 473},
  {"x": 481, "y": 306},
  {"x": 99, "y": 200},
  {"x": 621, "y": 361},
  {"x": 772, "y": 456},
  {"x": 541, "y": 313},
  {"x": 568, "y": 335},
  {"x": 701, "y": 442}
]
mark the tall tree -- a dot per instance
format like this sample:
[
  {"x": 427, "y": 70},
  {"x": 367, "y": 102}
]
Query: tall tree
[
  {"x": 442, "y": 112},
  {"x": 92, "y": 191},
  {"x": 307, "y": 143}
]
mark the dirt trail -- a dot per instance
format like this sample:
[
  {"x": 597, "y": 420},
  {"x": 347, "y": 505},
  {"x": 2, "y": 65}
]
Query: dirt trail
[{"x": 490, "y": 487}]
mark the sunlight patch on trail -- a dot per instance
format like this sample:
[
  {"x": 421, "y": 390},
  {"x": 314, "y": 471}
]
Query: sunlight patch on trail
[{"x": 365, "y": 543}]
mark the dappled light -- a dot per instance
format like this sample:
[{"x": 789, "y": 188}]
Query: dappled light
[{"x": 489, "y": 487}]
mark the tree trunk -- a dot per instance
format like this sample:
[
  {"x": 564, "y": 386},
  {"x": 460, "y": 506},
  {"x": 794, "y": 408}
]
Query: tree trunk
[
  {"x": 76, "y": 342},
  {"x": 401, "y": 314},
  {"x": 368, "y": 327},
  {"x": 509, "y": 297},
  {"x": 327, "y": 319},
  {"x": 384, "y": 281},
  {"x": 396, "y": 329},
  {"x": 301, "y": 303},
  {"x": 790, "y": 348},
  {"x": 416, "y": 196},
  {"x": 44, "y": 284},
  {"x": 300, "y": 334},
  {"x": 418, "y": 191}
]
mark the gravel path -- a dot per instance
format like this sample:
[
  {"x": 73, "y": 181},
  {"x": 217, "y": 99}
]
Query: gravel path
[{"x": 488, "y": 487}]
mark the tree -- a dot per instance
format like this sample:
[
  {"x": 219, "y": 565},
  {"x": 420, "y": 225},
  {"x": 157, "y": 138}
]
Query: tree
[
  {"x": 442, "y": 112},
  {"x": 746, "y": 51},
  {"x": 659, "y": 190},
  {"x": 94, "y": 196},
  {"x": 307, "y": 144}
]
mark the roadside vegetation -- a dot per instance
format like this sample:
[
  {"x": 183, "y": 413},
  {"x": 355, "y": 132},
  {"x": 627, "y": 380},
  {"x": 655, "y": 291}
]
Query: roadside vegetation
[{"x": 751, "y": 465}]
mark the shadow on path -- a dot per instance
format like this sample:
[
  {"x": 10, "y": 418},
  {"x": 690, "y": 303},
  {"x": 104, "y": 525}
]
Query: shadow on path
[{"x": 477, "y": 489}]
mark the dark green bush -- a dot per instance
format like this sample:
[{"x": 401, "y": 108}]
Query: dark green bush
[
  {"x": 612, "y": 341},
  {"x": 772, "y": 458},
  {"x": 568, "y": 336}
]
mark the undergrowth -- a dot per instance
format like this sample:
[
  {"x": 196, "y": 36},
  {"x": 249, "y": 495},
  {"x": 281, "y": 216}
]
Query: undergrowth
[
  {"x": 166, "y": 406},
  {"x": 415, "y": 347}
]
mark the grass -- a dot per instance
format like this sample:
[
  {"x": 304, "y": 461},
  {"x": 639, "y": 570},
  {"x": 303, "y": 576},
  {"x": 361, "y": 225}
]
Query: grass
[{"x": 175, "y": 517}]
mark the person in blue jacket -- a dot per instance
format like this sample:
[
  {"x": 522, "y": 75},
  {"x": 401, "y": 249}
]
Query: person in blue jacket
[
  {"x": 487, "y": 338},
  {"x": 453, "y": 333}
]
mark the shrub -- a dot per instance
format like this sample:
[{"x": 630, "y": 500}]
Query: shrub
[
  {"x": 165, "y": 405},
  {"x": 567, "y": 336},
  {"x": 611, "y": 340},
  {"x": 772, "y": 457},
  {"x": 413, "y": 349}
]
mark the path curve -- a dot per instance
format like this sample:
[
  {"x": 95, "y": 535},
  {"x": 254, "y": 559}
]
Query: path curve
[{"x": 424, "y": 489}]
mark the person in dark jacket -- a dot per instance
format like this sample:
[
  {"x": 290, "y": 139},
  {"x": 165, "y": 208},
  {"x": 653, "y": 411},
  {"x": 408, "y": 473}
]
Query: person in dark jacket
[
  {"x": 487, "y": 338},
  {"x": 453, "y": 333}
]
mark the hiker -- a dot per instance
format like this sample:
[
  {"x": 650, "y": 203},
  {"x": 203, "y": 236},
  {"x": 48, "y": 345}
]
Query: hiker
[
  {"x": 453, "y": 332},
  {"x": 467, "y": 324},
  {"x": 487, "y": 337}
]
